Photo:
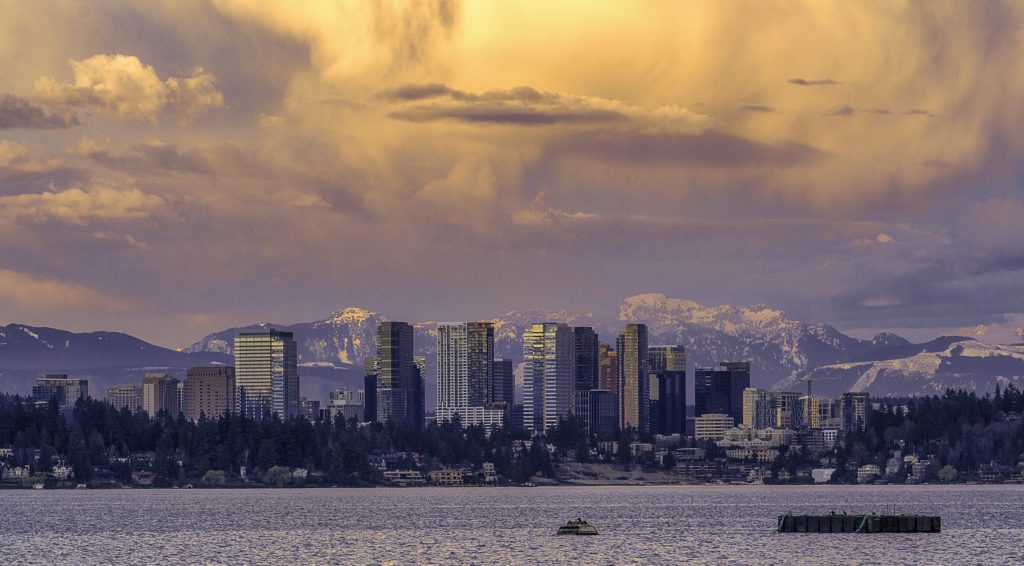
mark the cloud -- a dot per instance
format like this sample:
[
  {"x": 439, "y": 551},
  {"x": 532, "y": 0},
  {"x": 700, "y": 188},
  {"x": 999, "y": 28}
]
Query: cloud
[
  {"x": 813, "y": 82},
  {"x": 704, "y": 150},
  {"x": 18, "y": 112},
  {"x": 124, "y": 85},
  {"x": 31, "y": 296},
  {"x": 523, "y": 106},
  {"x": 758, "y": 108},
  {"x": 78, "y": 206},
  {"x": 843, "y": 111},
  {"x": 917, "y": 112}
]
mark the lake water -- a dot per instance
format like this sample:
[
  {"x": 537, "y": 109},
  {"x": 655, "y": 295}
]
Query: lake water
[{"x": 639, "y": 525}]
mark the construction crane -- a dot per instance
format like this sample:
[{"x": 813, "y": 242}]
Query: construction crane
[{"x": 809, "y": 378}]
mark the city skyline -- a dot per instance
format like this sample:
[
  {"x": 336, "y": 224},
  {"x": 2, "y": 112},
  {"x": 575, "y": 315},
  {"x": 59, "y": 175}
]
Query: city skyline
[{"x": 387, "y": 155}]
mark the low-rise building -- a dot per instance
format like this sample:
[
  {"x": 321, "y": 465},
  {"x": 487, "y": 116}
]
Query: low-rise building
[
  {"x": 712, "y": 426},
  {"x": 867, "y": 473},
  {"x": 447, "y": 477},
  {"x": 404, "y": 477}
]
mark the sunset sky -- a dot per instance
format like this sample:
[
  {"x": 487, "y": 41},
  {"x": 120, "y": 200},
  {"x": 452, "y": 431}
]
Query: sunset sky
[{"x": 172, "y": 168}]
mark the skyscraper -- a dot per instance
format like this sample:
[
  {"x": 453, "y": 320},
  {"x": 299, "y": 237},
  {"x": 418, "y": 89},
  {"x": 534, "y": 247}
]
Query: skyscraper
[
  {"x": 160, "y": 394},
  {"x": 668, "y": 402},
  {"x": 66, "y": 391},
  {"x": 209, "y": 391},
  {"x": 126, "y": 396},
  {"x": 720, "y": 391},
  {"x": 549, "y": 374},
  {"x": 634, "y": 395},
  {"x": 608, "y": 369},
  {"x": 370, "y": 390},
  {"x": 663, "y": 357},
  {"x": 587, "y": 358},
  {"x": 504, "y": 382},
  {"x": 399, "y": 392},
  {"x": 587, "y": 371},
  {"x": 266, "y": 374},
  {"x": 465, "y": 373}
]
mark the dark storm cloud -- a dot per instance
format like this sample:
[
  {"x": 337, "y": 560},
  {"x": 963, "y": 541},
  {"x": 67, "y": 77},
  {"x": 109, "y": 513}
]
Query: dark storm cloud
[
  {"x": 758, "y": 108},
  {"x": 707, "y": 149},
  {"x": 154, "y": 158},
  {"x": 17, "y": 112},
  {"x": 812, "y": 82}
]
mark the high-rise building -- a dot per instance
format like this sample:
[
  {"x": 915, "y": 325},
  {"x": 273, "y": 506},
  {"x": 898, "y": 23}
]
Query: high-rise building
[
  {"x": 370, "y": 390},
  {"x": 266, "y": 374},
  {"x": 549, "y": 374},
  {"x": 668, "y": 402},
  {"x": 608, "y": 369},
  {"x": 757, "y": 409},
  {"x": 420, "y": 385},
  {"x": 634, "y": 395},
  {"x": 603, "y": 414},
  {"x": 720, "y": 391},
  {"x": 663, "y": 357},
  {"x": 784, "y": 408},
  {"x": 160, "y": 394},
  {"x": 66, "y": 391},
  {"x": 465, "y": 374},
  {"x": 856, "y": 410},
  {"x": 126, "y": 396},
  {"x": 399, "y": 392},
  {"x": 818, "y": 412},
  {"x": 587, "y": 371},
  {"x": 587, "y": 358},
  {"x": 209, "y": 391},
  {"x": 504, "y": 382}
]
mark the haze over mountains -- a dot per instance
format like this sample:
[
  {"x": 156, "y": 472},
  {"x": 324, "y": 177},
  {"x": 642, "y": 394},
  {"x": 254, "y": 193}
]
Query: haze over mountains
[{"x": 782, "y": 350}]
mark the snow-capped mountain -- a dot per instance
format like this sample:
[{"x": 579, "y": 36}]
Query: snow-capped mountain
[
  {"x": 782, "y": 350},
  {"x": 343, "y": 338},
  {"x": 921, "y": 369}
]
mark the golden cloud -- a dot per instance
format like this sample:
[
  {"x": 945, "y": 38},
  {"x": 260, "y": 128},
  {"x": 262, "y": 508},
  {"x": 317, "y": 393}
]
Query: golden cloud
[{"x": 124, "y": 85}]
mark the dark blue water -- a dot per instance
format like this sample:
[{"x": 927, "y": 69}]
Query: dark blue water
[{"x": 639, "y": 525}]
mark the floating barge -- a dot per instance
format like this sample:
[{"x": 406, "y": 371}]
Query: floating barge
[{"x": 859, "y": 524}]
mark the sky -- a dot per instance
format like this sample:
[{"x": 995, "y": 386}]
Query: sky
[{"x": 173, "y": 168}]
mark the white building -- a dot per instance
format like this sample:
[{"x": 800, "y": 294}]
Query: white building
[
  {"x": 465, "y": 374},
  {"x": 549, "y": 374},
  {"x": 712, "y": 426}
]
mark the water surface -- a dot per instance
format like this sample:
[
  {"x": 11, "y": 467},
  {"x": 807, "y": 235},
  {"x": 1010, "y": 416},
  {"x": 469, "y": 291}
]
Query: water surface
[{"x": 639, "y": 525}]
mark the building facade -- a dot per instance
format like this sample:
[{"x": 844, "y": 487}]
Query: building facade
[
  {"x": 399, "y": 390},
  {"x": 160, "y": 394},
  {"x": 757, "y": 409},
  {"x": 504, "y": 382},
  {"x": 266, "y": 374},
  {"x": 209, "y": 391},
  {"x": 663, "y": 357},
  {"x": 66, "y": 391},
  {"x": 126, "y": 396},
  {"x": 549, "y": 375},
  {"x": 720, "y": 391},
  {"x": 856, "y": 409},
  {"x": 668, "y": 402},
  {"x": 634, "y": 394},
  {"x": 712, "y": 426},
  {"x": 465, "y": 374}
]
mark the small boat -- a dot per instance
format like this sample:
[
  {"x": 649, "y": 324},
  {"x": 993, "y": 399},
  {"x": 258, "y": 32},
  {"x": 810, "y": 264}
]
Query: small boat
[{"x": 577, "y": 527}]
